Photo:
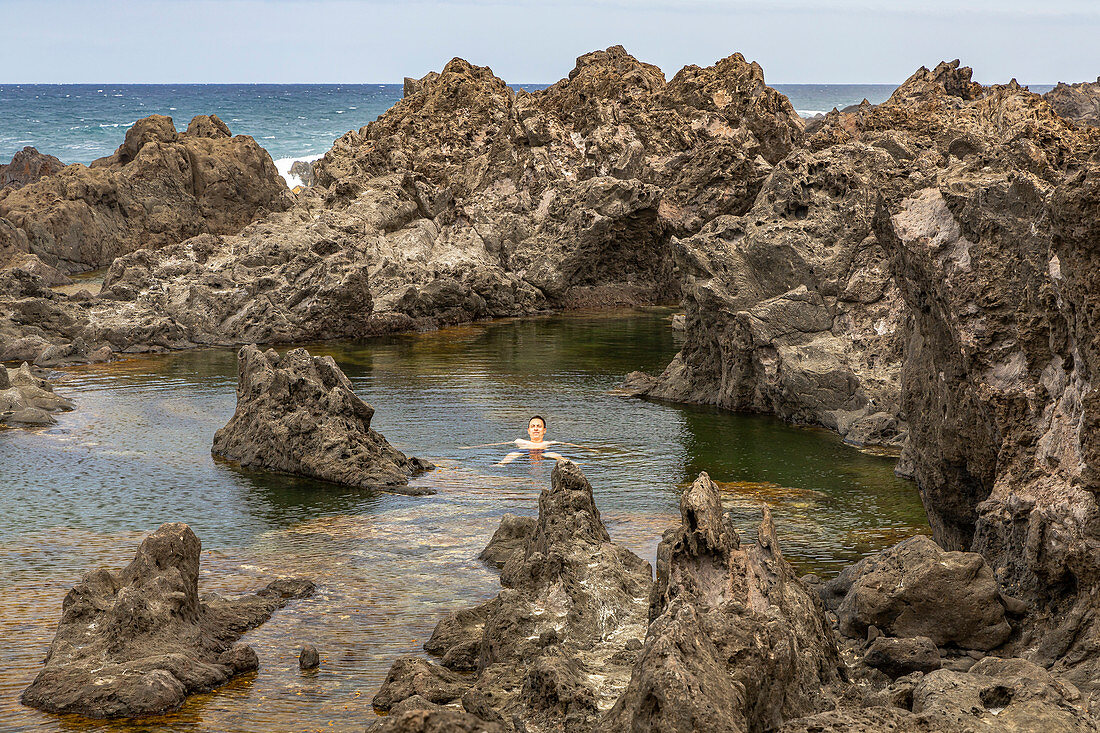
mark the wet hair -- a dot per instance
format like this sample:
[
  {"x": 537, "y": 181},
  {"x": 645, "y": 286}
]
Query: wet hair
[{"x": 538, "y": 417}]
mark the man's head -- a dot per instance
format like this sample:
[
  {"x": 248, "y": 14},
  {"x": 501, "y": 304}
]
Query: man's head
[{"x": 536, "y": 428}]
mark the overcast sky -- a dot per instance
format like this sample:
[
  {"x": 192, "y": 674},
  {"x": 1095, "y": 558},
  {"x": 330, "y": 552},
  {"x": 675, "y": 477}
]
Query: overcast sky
[{"x": 350, "y": 41}]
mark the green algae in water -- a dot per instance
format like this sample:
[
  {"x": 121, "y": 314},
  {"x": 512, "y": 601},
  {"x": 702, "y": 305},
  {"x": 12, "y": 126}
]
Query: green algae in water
[{"x": 136, "y": 453}]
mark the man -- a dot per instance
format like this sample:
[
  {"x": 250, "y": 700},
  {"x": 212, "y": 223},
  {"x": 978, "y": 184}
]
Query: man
[{"x": 537, "y": 445}]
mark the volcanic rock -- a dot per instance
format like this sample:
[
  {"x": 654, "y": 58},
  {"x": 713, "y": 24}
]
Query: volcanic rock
[
  {"x": 510, "y": 537},
  {"x": 776, "y": 322},
  {"x": 898, "y": 657},
  {"x": 434, "y": 721},
  {"x": 27, "y": 166},
  {"x": 297, "y": 414},
  {"x": 303, "y": 170},
  {"x": 735, "y": 642},
  {"x": 309, "y": 658},
  {"x": 158, "y": 188},
  {"x": 1003, "y": 695},
  {"x": 1078, "y": 102},
  {"x": 28, "y": 400},
  {"x": 553, "y": 646},
  {"x": 916, "y": 589},
  {"x": 139, "y": 641},
  {"x": 464, "y": 201}
]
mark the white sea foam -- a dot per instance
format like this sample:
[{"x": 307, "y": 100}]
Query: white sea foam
[
  {"x": 809, "y": 112},
  {"x": 283, "y": 165}
]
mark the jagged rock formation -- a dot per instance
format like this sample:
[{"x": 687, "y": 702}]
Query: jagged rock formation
[
  {"x": 27, "y": 166},
  {"x": 735, "y": 641},
  {"x": 139, "y": 641},
  {"x": 27, "y": 400},
  {"x": 950, "y": 231},
  {"x": 303, "y": 170},
  {"x": 790, "y": 308},
  {"x": 555, "y": 648},
  {"x": 297, "y": 414},
  {"x": 794, "y": 308},
  {"x": 1079, "y": 102},
  {"x": 159, "y": 187},
  {"x": 466, "y": 200}
]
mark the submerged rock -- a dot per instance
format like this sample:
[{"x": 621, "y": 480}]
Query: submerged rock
[
  {"x": 139, "y": 641},
  {"x": 297, "y": 414}
]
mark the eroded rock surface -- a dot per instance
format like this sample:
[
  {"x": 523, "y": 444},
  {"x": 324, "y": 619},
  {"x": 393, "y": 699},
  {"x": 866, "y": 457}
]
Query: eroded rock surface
[
  {"x": 465, "y": 201},
  {"x": 1079, "y": 102},
  {"x": 916, "y": 589},
  {"x": 160, "y": 187},
  {"x": 555, "y": 648},
  {"x": 27, "y": 166},
  {"x": 297, "y": 414},
  {"x": 139, "y": 641},
  {"x": 28, "y": 400},
  {"x": 735, "y": 641}
]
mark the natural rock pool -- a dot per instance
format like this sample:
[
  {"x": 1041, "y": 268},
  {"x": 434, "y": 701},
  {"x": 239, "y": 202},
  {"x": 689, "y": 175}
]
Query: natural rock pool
[{"x": 136, "y": 453}]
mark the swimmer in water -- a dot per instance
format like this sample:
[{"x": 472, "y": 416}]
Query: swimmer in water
[{"x": 537, "y": 445}]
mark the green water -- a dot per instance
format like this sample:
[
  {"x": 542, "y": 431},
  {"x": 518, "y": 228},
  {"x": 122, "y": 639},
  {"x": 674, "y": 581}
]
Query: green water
[{"x": 136, "y": 453}]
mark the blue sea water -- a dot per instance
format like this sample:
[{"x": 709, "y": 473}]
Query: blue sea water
[{"x": 81, "y": 122}]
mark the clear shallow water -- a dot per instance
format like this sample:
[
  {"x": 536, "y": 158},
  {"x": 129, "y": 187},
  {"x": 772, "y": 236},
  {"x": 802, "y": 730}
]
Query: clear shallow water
[{"x": 136, "y": 453}]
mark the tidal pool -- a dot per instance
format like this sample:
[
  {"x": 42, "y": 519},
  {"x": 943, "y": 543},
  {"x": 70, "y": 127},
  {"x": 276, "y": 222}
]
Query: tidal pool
[{"x": 136, "y": 453}]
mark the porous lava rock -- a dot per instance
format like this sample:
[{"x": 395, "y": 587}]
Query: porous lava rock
[
  {"x": 917, "y": 589},
  {"x": 466, "y": 200},
  {"x": 1079, "y": 102},
  {"x": 556, "y": 646},
  {"x": 27, "y": 166},
  {"x": 297, "y": 414},
  {"x": 735, "y": 642},
  {"x": 509, "y": 538},
  {"x": 28, "y": 400},
  {"x": 303, "y": 171},
  {"x": 899, "y": 657},
  {"x": 139, "y": 641},
  {"x": 160, "y": 187}
]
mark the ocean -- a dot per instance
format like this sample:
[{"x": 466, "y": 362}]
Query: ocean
[{"x": 81, "y": 122}]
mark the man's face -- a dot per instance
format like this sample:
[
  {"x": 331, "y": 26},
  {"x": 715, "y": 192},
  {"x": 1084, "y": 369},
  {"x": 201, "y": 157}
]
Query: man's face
[{"x": 536, "y": 429}]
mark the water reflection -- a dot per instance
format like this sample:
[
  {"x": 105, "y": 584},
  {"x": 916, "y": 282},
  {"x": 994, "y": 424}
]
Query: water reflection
[{"x": 136, "y": 453}]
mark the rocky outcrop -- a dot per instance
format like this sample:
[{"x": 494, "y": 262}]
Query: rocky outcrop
[
  {"x": 997, "y": 264},
  {"x": 1079, "y": 102},
  {"x": 303, "y": 171},
  {"x": 510, "y": 537},
  {"x": 27, "y": 166},
  {"x": 555, "y": 648},
  {"x": 794, "y": 308},
  {"x": 915, "y": 589},
  {"x": 139, "y": 641},
  {"x": 27, "y": 400},
  {"x": 159, "y": 187},
  {"x": 465, "y": 201},
  {"x": 735, "y": 641},
  {"x": 297, "y": 414},
  {"x": 777, "y": 321}
]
